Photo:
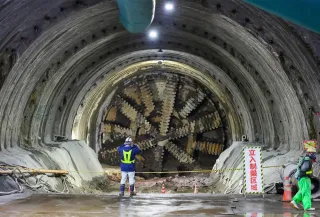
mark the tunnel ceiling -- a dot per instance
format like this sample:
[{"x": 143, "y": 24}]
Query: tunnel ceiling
[{"x": 65, "y": 65}]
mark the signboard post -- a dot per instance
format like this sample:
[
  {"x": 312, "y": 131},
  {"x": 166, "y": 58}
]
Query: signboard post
[{"x": 252, "y": 171}]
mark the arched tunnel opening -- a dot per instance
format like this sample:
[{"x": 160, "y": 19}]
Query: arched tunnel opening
[{"x": 215, "y": 76}]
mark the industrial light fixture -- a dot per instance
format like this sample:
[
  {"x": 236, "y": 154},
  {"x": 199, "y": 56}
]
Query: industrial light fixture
[
  {"x": 169, "y": 6},
  {"x": 153, "y": 34}
]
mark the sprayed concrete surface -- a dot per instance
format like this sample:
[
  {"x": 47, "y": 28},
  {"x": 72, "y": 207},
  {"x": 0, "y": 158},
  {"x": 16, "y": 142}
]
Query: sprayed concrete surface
[{"x": 149, "y": 205}]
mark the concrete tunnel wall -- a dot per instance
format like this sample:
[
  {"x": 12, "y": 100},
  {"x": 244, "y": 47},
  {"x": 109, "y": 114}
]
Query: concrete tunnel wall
[{"x": 57, "y": 67}]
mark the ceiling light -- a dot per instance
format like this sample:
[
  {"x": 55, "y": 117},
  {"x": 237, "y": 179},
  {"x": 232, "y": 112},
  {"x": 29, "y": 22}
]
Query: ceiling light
[
  {"x": 153, "y": 34},
  {"x": 169, "y": 6}
]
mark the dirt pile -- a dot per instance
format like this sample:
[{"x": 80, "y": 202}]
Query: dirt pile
[
  {"x": 175, "y": 184},
  {"x": 97, "y": 185}
]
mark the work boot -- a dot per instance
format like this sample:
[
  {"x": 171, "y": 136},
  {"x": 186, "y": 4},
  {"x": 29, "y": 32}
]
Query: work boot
[
  {"x": 294, "y": 204},
  {"x": 122, "y": 187},
  {"x": 132, "y": 193},
  {"x": 311, "y": 209}
]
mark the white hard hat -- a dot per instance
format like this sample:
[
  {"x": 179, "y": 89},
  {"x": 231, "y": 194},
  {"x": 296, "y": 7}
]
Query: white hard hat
[{"x": 128, "y": 139}]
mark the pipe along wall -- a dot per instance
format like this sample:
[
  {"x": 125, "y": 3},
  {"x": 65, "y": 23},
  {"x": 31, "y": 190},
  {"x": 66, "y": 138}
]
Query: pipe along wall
[
  {"x": 136, "y": 15},
  {"x": 302, "y": 12}
]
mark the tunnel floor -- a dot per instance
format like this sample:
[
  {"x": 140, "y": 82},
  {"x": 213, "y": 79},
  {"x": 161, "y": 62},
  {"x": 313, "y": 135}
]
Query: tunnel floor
[{"x": 149, "y": 205}]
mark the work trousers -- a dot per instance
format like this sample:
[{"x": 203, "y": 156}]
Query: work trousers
[
  {"x": 304, "y": 193},
  {"x": 124, "y": 177}
]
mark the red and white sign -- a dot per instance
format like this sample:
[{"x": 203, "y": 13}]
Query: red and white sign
[{"x": 252, "y": 169}]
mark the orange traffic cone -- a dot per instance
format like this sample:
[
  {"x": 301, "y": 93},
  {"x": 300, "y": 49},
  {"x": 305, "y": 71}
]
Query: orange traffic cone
[
  {"x": 287, "y": 194},
  {"x": 287, "y": 214},
  {"x": 163, "y": 190},
  {"x": 196, "y": 190}
]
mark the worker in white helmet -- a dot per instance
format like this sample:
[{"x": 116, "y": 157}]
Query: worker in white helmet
[{"x": 128, "y": 152}]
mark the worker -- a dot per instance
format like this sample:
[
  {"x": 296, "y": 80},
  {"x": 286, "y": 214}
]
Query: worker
[
  {"x": 303, "y": 174},
  {"x": 128, "y": 152}
]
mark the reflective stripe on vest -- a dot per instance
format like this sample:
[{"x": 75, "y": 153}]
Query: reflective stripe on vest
[{"x": 127, "y": 157}]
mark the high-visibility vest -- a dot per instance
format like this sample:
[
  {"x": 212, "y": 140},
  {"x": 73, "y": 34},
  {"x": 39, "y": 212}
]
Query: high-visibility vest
[{"x": 127, "y": 157}]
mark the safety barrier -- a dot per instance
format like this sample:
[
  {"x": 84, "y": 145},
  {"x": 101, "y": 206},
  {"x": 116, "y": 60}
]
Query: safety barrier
[
  {"x": 65, "y": 172},
  {"x": 14, "y": 170}
]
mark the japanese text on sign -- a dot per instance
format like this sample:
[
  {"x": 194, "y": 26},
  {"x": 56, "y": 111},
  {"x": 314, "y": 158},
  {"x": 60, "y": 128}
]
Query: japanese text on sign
[{"x": 253, "y": 173}]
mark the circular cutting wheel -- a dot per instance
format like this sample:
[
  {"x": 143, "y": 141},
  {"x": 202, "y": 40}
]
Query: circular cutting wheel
[{"x": 172, "y": 118}]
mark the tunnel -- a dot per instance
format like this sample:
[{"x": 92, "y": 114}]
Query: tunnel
[{"x": 74, "y": 83}]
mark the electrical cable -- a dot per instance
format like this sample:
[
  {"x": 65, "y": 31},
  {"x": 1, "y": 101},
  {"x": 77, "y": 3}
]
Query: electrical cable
[
  {"x": 269, "y": 188},
  {"x": 15, "y": 179},
  {"x": 39, "y": 182}
]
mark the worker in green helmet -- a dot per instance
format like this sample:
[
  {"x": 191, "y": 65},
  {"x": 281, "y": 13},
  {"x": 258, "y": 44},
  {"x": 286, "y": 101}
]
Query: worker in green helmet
[{"x": 303, "y": 174}]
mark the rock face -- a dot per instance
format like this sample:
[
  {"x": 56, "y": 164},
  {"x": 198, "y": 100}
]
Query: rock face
[{"x": 74, "y": 156}]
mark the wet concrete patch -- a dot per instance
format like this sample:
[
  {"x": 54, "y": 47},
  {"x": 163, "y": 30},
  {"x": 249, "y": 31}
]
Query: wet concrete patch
[
  {"x": 212, "y": 211},
  {"x": 146, "y": 205}
]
